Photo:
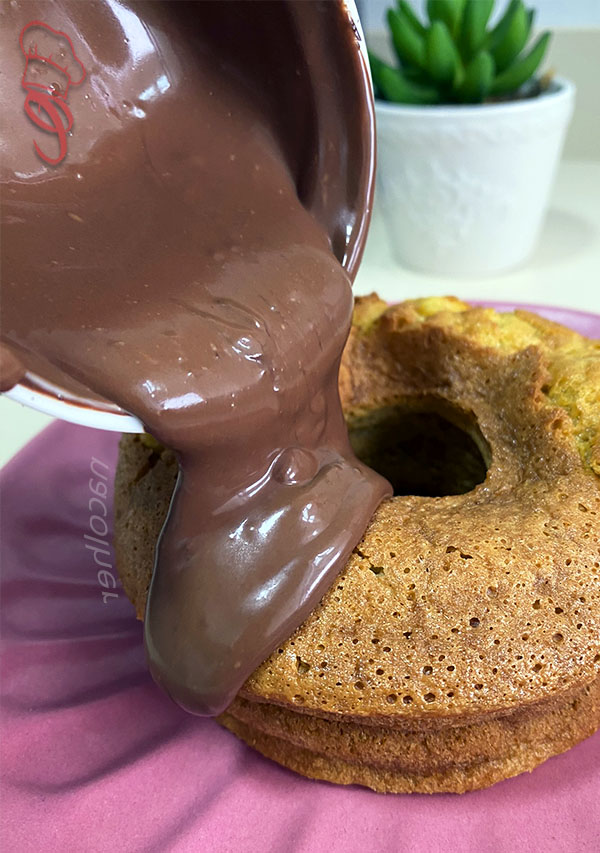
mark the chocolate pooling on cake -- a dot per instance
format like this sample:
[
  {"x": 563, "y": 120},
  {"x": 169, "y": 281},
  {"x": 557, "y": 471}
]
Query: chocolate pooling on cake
[{"x": 177, "y": 262}]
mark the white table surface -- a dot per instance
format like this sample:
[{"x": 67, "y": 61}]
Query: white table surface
[{"x": 564, "y": 271}]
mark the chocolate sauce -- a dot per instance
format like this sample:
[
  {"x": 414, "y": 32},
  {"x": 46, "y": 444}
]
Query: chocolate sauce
[
  {"x": 12, "y": 369},
  {"x": 180, "y": 262}
]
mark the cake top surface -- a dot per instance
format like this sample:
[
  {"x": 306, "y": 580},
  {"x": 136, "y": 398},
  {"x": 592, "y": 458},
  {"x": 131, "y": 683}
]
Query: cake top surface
[{"x": 468, "y": 603}]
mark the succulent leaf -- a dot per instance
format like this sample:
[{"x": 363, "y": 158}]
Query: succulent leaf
[
  {"x": 408, "y": 44},
  {"x": 406, "y": 9},
  {"x": 398, "y": 89},
  {"x": 376, "y": 64},
  {"x": 448, "y": 11},
  {"x": 520, "y": 71},
  {"x": 474, "y": 22},
  {"x": 477, "y": 82},
  {"x": 442, "y": 55},
  {"x": 495, "y": 35},
  {"x": 514, "y": 40}
]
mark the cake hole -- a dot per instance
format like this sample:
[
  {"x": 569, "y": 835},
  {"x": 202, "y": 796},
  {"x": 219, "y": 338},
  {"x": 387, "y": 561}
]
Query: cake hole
[
  {"x": 302, "y": 666},
  {"x": 424, "y": 446}
]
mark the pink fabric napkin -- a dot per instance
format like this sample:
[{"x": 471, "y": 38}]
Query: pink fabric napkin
[{"x": 96, "y": 758}]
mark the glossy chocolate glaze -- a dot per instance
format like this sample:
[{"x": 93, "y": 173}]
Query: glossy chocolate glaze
[
  {"x": 169, "y": 265},
  {"x": 12, "y": 369}
]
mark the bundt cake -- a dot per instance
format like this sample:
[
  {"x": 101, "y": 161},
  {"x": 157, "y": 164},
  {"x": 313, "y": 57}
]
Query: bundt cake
[{"x": 461, "y": 643}]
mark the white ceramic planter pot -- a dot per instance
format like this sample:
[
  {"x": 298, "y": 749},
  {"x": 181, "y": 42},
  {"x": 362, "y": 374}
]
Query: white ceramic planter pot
[{"x": 464, "y": 189}]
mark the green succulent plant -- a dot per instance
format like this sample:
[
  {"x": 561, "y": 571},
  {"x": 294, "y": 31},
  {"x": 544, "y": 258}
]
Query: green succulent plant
[{"x": 455, "y": 58}]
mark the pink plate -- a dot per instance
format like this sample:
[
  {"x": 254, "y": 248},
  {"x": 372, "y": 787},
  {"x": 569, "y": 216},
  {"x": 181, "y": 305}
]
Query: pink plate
[{"x": 96, "y": 758}]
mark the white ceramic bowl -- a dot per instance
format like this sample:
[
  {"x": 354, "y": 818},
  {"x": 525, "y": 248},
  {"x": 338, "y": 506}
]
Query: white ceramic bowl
[
  {"x": 464, "y": 189},
  {"x": 38, "y": 394}
]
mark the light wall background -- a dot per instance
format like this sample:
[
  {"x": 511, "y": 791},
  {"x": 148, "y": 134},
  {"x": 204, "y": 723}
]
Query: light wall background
[{"x": 550, "y": 13}]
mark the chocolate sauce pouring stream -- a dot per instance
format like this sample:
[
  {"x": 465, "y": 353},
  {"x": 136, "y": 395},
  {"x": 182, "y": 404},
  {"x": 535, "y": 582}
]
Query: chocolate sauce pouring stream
[{"x": 169, "y": 265}]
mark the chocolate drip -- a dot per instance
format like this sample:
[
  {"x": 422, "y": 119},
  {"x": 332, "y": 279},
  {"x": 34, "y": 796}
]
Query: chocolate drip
[
  {"x": 177, "y": 263},
  {"x": 11, "y": 368}
]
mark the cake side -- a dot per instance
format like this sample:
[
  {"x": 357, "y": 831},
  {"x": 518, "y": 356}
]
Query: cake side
[{"x": 454, "y": 760}]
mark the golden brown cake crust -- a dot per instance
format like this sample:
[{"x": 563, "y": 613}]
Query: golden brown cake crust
[
  {"x": 454, "y": 610},
  {"x": 423, "y": 751},
  {"x": 454, "y": 760}
]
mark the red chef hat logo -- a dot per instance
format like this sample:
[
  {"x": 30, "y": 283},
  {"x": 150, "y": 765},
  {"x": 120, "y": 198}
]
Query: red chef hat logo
[{"x": 51, "y": 68}]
